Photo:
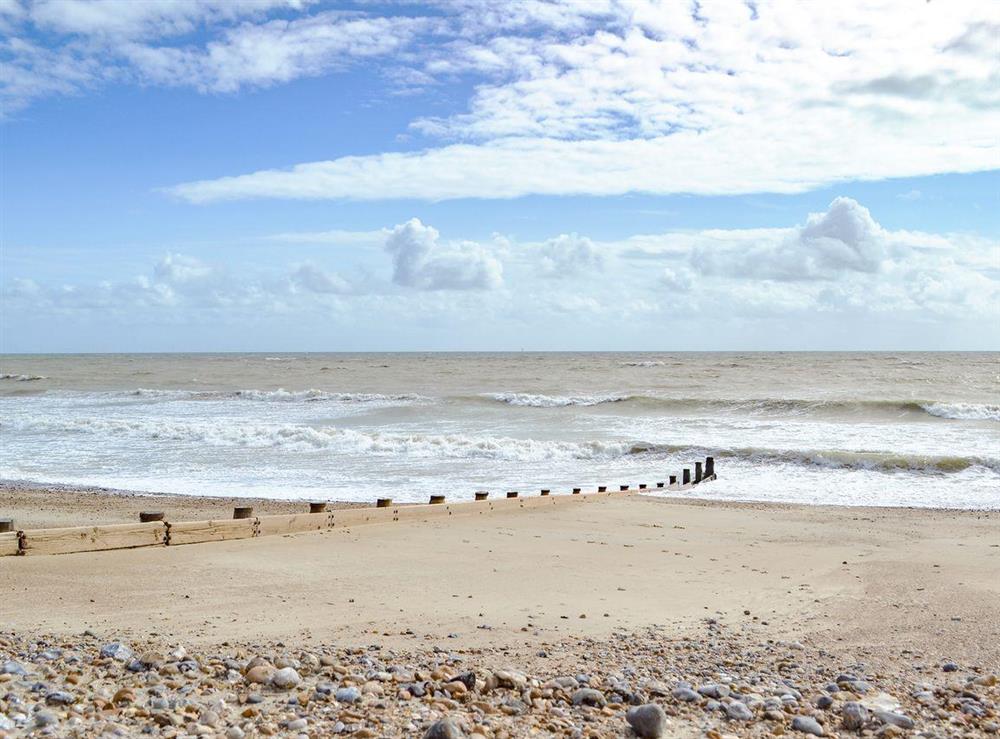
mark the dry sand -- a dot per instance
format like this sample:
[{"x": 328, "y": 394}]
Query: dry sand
[{"x": 898, "y": 589}]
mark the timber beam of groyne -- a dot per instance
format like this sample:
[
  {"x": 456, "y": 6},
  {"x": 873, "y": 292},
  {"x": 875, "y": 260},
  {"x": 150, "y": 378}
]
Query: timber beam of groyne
[{"x": 154, "y": 529}]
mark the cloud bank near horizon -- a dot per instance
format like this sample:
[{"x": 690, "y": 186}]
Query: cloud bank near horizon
[{"x": 837, "y": 263}]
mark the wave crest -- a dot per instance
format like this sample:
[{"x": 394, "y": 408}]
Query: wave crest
[{"x": 529, "y": 400}]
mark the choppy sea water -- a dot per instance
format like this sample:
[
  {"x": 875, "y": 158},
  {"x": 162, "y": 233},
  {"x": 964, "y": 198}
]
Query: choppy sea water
[{"x": 859, "y": 429}]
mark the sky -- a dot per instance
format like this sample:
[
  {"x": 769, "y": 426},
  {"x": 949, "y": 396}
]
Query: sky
[{"x": 477, "y": 175}]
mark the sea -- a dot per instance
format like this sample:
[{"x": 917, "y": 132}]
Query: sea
[{"x": 886, "y": 429}]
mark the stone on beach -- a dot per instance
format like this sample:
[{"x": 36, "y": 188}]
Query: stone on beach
[
  {"x": 444, "y": 729},
  {"x": 117, "y": 651},
  {"x": 855, "y": 715},
  {"x": 647, "y": 721},
  {"x": 260, "y": 674},
  {"x": 286, "y": 678},
  {"x": 807, "y": 725},
  {"x": 589, "y": 697},
  {"x": 738, "y": 711},
  {"x": 893, "y": 718}
]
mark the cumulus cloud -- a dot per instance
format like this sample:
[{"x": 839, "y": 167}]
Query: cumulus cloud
[
  {"x": 568, "y": 255},
  {"x": 845, "y": 238},
  {"x": 420, "y": 261},
  {"x": 839, "y": 265}
]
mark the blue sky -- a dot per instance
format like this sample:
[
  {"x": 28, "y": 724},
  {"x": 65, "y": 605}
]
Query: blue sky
[{"x": 291, "y": 175}]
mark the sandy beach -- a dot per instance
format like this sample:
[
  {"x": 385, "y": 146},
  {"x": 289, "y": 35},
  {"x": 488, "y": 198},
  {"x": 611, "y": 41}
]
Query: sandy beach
[{"x": 892, "y": 594}]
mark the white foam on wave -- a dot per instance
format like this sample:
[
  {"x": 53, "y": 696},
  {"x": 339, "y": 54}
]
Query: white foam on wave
[
  {"x": 963, "y": 411},
  {"x": 22, "y": 378},
  {"x": 303, "y": 437},
  {"x": 648, "y": 363},
  {"x": 529, "y": 400},
  {"x": 280, "y": 395}
]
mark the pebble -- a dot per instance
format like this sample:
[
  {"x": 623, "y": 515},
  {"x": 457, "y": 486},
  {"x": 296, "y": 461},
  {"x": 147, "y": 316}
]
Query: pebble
[
  {"x": 807, "y": 725},
  {"x": 895, "y": 719},
  {"x": 686, "y": 694},
  {"x": 60, "y": 698},
  {"x": 588, "y": 697},
  {"x": 348, "y": 695},
  {"x": 376, "y": 691},
  {"x": 117, "y": 651},
  {"x": 259, "y": 674},
  {"x": 647, "y": 721},
  {"x": 949, "y": 667},
  {"x": 713, "y": 690},
  {"x": 444, "y": 729},
  {"x": 855, "y": 715},
  {"x": 286, "y": 678},
  {"x": 46, "y": 718},
  {"x": 738, "y": 711}
]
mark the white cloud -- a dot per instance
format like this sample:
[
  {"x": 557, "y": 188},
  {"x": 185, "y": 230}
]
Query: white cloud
[
  {"x": 676, "y": 280},
  {"x": 139, "y": 18},
  {"x": 181, "y": 269},
  {"x": 420, "y": 261},
  {"x": 273, "y": 52},
  {"x": 313, "y": 278},
  {"x": 840, "y": 266},
  {"x": 598, "y": 97},
  {"x": 568, "y": 255},
  {"x": 843, "y": 239},
  {"x": 641, "y": 97},
  {"x": 337, "y": 237}
]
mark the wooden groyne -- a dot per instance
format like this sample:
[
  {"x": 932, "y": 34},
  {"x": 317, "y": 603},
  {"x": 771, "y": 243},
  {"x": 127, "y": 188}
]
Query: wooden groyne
[{"x": 154, "y": 529}]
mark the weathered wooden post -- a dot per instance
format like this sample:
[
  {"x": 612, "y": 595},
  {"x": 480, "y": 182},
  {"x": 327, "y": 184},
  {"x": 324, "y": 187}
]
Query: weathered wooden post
[
  {"x": 673, "y": 479},
  {"x": 545, "y": 491},
  {"x": 602, "y": 488},
  {"x": 383, "y": 503},
  {"x": 697, "y": 472},
  {"x": 317, "y": 507},
  {"x": 482, "y": 495},
  {"x": 437, "y": 499},
  {"x": 576, "y": 491},
  {"x": 6, "y": 524},
  {"x": 687, "y": 476},
  {"x": 709, "y": 466},
  {"x": 511, "y": 493},
  {"x": 243, "y": 511},
  {"x": 144, "y": 517}
]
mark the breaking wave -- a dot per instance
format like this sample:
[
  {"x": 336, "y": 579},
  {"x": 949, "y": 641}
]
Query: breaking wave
[
  {"x": 963, "y": 411},
  {"x": 279, "y": 395},
  {"x": 763, "y": 406},
  {"x": 22, "y": 378},
  {"x": 831, "y": 458},
  {"x": 529, "y": 400},
  {"x": 299, "y": 437}
]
